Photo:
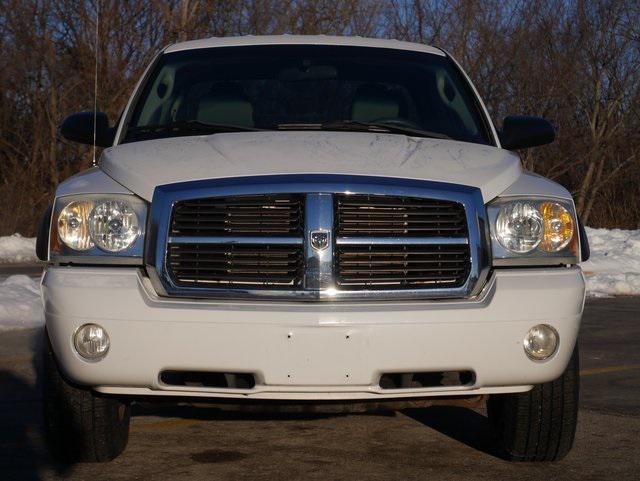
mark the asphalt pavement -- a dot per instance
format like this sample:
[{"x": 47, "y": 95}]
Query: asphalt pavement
[{"x": 197, "y": 442}]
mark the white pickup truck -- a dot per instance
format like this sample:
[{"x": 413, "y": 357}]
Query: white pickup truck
[{"x": 304, "y": 221}]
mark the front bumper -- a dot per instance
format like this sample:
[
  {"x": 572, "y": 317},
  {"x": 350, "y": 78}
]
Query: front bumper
[{"x": 313, "y": 351}]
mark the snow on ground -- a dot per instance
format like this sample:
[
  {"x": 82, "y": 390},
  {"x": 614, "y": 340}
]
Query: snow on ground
[
  {"x": 614, "y": 269},
  {"x": 614, "y": 266},
  {"x": 17, "y": 249},
  {"x": 20, "y": 305}
]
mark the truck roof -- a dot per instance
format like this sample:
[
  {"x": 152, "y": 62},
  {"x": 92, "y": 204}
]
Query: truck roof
[{"x": 249, "y": 40}]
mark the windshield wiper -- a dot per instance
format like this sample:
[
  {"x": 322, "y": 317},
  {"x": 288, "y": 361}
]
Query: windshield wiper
[
  {"x": 188, "y": 126},
  {"x": 389, "y": 127}
]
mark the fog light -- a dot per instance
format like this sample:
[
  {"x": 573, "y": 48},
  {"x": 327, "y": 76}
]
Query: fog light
[
  {"x": 541, "y": 342},
  {"x": 91, "y": 341}
]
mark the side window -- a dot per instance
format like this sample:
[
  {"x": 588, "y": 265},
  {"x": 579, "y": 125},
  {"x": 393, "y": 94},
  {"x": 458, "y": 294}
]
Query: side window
[
  {"x": 157, "y": 108},
  {"x": 452, "y": 98}
]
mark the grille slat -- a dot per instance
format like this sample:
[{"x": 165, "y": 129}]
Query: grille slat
[
  {"x": 399, "y": 230},
  {"x": 399, "y": 270},
  {"x": 386, "y": 220},
  {"x": 416, "y": 251},
  {"x": 212, "y": 263},
  {"x": 253, "y": 214},
  {"x": 386, "y": 282},
  {"x": 355, "y": 202}
]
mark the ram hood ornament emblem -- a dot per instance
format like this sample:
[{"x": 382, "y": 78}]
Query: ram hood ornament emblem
[{"x": 320, "y": 239}]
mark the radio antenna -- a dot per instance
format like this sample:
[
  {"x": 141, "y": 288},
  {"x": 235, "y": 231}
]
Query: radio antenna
[{"x": 95, "y": 84}]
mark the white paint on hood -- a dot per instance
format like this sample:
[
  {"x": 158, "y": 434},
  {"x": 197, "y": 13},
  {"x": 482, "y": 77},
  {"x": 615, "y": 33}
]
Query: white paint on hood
[{"x": 141, "y": 166}]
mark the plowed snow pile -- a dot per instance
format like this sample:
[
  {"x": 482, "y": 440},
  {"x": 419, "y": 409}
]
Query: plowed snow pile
[
  {"x": 20, "y": 306},
  {"x": 614, "y": 267},
  {"x": 17, "y": 249}
]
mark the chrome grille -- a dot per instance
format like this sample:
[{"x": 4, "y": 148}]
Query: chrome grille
[
  {"x": 248, "y": 241},
  {"x": 429, "y": 248},
  {"x": 229, "y": 265},
  {"x": 238, "y": 215},
  {"x": 374, "y": 215},
  {"x": 261, "y": 238},
  {"x": 401, "y": 266}
]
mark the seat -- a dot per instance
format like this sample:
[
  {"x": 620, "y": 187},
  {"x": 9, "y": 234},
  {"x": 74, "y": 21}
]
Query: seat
[
  {"x": 373, "y": 102},
  {"x": 225, "y": 104}
]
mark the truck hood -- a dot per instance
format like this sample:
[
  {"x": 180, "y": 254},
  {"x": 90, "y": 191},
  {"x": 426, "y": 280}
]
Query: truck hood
[{"x": 141, "y": 166}]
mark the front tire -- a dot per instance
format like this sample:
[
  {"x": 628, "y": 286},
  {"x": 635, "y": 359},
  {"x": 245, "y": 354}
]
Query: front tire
[
  {"x": 80, "y": 425},
  {"x": 538, "y": 425}
]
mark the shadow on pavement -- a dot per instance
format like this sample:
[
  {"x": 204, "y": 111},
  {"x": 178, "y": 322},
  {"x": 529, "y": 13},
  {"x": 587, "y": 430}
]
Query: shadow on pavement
[
  {"x": 462, "y": 424},
  {"x": 215, "y": 412},
  {"x": 20, "y": 458},
  {"x": 23, "y": 455}
]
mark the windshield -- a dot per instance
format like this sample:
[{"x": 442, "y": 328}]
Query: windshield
[{"x": 306, "y": 87}]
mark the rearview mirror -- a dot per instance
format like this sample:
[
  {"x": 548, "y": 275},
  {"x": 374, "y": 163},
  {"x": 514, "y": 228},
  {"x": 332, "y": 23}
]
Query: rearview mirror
[
  {"x": 78, "y": 127},
  {"x": 314, "y": 72},
  {"x": 522, "y": 132}
]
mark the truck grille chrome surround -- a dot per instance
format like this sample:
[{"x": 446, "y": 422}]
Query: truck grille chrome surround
[{"x": 317, "y": 237}]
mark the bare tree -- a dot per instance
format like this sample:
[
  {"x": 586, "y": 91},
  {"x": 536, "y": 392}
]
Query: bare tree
[{"x": 575, "y": 62}]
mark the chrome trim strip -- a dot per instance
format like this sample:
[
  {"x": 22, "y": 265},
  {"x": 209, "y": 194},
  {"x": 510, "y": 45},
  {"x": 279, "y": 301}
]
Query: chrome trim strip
[
  {"x": 235, "y": 240},
  {"x": 166, "y": 196},
  {"x": 98, "y": 260},
  {"x": 482, "y": 298},
  {"x": 318, "y": 262},
  {"x": 402, "y": 241},
  {"x": 534, "y": 261}
]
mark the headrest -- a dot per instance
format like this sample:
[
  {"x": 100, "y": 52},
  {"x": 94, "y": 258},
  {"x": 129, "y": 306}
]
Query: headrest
[
  {"x": 373, "y": 102},
  {"x": 225, "y": 104}
]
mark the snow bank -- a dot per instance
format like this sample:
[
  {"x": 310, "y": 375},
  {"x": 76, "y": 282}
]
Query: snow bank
[
  {"x": 614, "y": 266},
  {"x": 15, "y": 248},
  {"x": 20, "y": 305}
]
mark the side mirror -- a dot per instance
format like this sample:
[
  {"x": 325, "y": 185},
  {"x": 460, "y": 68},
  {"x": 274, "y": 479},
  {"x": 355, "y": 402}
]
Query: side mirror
[
  {"x": 522, "y": 132},
  {"x": 78, "y": 127}
]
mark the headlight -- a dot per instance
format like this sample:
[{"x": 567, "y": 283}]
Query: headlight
[
  {"x": 113, "y": 225},
  {"x": 519, "y": 227},
  {"x": 73, "y": 226},
  {"x": 88, "y": 228},
  {"x": 533, "y": 231}
]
